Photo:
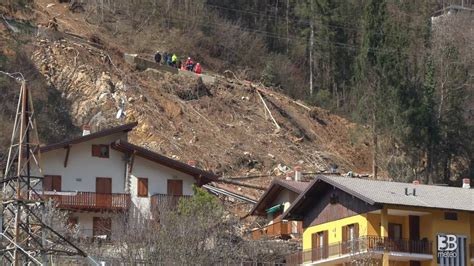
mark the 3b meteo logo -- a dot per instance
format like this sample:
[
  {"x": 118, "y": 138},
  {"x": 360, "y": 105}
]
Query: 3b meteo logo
[{"x": 447, "y": 246}]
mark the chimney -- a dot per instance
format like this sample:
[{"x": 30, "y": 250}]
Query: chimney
[
  {"x": 298, "y": 173},
  {"x": 289, "y": 175},
  {"x": 407, "y": 193},
  {"x": 86, "y": 130},
  {"x": 466, "y": 183},
  {"x": 416, "y": 182},
  {"x": 192, "y": 163}
]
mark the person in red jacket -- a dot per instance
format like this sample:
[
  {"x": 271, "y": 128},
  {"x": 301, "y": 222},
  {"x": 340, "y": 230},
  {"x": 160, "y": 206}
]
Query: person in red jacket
[
  {"x": 197, "y": 68},
  {"x": 189, "y": 64}
]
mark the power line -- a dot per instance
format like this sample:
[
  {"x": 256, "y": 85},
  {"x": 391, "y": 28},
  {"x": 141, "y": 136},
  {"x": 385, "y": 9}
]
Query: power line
[
  {"x": 16, "y": 75},
  {"x": 276, "y": 36},
  {"x": 300, "y": 21},
  {"x": 272, "y": 17}
]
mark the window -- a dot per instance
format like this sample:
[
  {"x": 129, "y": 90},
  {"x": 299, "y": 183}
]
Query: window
[
  {"x": 100, "y": 150},
  {"x": 101, "y": 227},
  {"x": 350, "y": 232},
  {"x": 52, "y": 183},
  {"x": 350, "y": 238},
  {"x": 72, "y": 222},
  {"x": 142, "y": 187},
  {"x": 175, "y": 187},
  {"x": 395, "y": 231},
  {"x": 453, "y": 216},
  {"x": 319, "y": 245}
]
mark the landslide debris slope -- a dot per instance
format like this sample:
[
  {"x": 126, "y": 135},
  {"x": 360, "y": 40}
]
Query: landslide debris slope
[{"x": 224, "y": 126}]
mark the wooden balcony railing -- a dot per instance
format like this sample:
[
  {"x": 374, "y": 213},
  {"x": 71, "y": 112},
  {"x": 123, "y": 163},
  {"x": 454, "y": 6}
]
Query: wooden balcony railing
[
  {"x": 90, "y": 200},
  {"x": 281, "y": 229},
  {"x": 163, "y": 201},
  {"x": 362, "y": 244}
]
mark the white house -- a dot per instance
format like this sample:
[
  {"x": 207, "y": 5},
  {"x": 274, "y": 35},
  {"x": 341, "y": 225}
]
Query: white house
[{"x": 100, "y": 176}]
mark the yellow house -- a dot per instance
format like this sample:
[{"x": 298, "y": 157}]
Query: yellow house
[{"x": 351, "y": 221}]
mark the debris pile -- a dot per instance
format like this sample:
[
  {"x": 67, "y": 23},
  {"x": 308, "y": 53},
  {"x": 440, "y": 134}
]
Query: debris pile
[{"x": 231, "y": 126}]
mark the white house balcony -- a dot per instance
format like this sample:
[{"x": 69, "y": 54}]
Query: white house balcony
[{"x": 89, "y": 201}]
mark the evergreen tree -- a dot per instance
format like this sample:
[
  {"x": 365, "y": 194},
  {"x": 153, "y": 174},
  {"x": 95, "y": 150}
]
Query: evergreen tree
[{"x": 369, "y": 73}]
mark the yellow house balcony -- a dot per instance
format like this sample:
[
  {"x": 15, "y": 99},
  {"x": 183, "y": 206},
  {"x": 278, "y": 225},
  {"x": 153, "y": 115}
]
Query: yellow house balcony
[{"x": 364, "y": 249}]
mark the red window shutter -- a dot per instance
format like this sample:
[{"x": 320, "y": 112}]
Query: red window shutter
[
  {"x": 56, "y": 183},
  {"x": 345, "y": 237},
  {"x": 356, "y": 231},
  {"x": 326, "y": 244},
  {"x": 96, "y": 150},
  {"x": 142, "y": 187},
  {"x": 175, "y": 187},
  {"x": 344, "y": 233},
  {"x": 48, "y": 183},
  {"x": 314, "y": 240}
]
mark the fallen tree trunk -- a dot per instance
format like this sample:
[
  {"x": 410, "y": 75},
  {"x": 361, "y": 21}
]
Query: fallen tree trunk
[{"x": 240, "y": 184}]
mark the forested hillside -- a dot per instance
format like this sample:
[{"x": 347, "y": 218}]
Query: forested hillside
[{"x": 403, "y": 69}]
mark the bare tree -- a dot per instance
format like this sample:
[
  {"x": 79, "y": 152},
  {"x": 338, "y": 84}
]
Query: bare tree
[{"x": 197, "y": 231}]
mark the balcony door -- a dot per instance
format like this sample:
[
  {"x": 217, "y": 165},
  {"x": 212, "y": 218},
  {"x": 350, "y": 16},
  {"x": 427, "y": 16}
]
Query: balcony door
[
  {"x": 395, "y": 236},
  {"x": 103, "y": 189},
  {"x": 174, "y": 191},
  {"x": 320, "y": 245},
  {"x": 52, "y": 183},
  {"x": 350, "y": 238},
  {"x": 414, "y": 229},
  {"x": 175, "y": 187}
]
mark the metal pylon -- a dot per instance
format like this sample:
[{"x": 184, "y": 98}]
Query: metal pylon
[{"x": 25, "y": 239}]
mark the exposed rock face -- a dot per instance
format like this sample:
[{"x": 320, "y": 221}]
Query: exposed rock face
[{"x": 96, "y": 94}]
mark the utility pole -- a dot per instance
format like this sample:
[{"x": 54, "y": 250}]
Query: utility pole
[
  {"x": 311, "y": 44},
  {"x": 287, "y": 26},
  {"x": 24, "y": 238}
]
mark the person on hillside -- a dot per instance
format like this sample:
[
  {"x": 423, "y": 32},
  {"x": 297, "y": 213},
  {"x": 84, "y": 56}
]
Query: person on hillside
[
  {"x": 158, "y": 57},
  {"x": 179, "y": 65},
  {"x": 174, "y": 60},
  {"x": 189, "y": 64},
  {"x": 197, "y": 68},
  {"x": 166, "y": 57}
]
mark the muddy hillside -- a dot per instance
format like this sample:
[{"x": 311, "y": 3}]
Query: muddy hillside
[{"x": 231, "y": 126}]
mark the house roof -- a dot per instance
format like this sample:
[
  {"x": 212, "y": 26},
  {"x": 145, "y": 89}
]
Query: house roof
[
  {"x": 272, "y": 192},
  {"x": 203, "y": 177},
  {"x": 99, "y": 134},
  {"x": 392, "y": 193}
]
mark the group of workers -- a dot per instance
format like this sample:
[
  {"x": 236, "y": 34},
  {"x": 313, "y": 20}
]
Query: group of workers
[{"x": 173, "y": 61}]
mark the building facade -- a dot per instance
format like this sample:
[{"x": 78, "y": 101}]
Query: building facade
[
  {"x": 273, "y": 203},
  {"x": 100, "y": 176},
  {"x": 351, "y": 220}
]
